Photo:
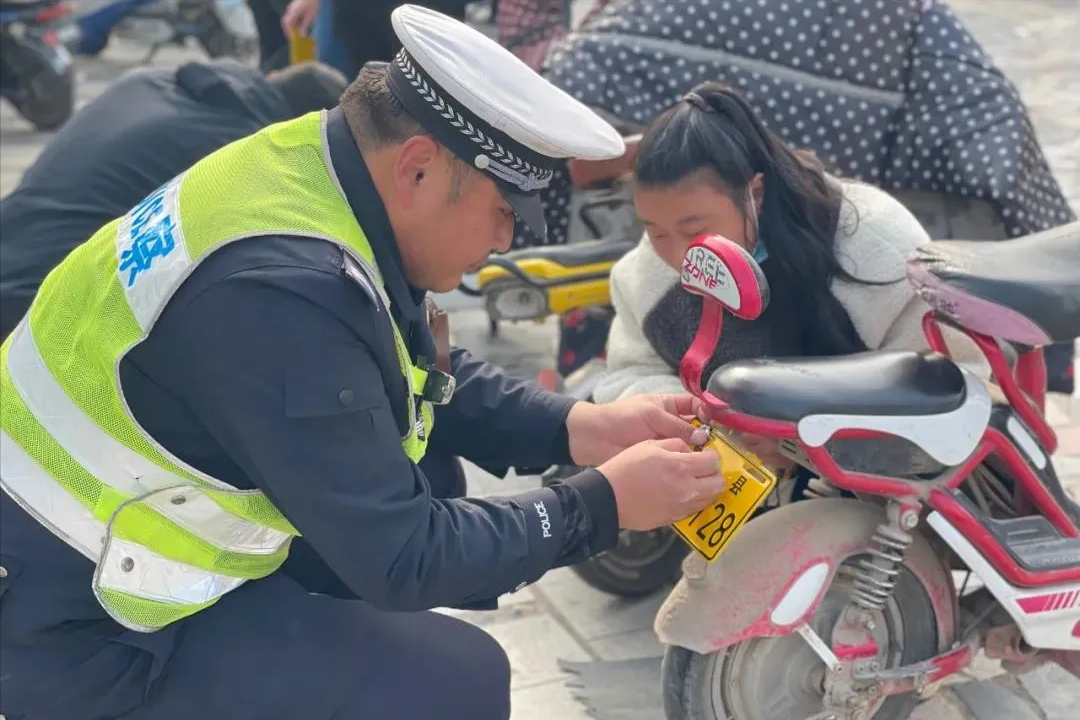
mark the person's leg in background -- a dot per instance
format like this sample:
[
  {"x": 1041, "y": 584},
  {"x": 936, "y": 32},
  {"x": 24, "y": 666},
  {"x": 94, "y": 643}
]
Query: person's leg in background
[
  {"x": 528, "y": 28},
  {"x": 330, "y": 49},
  {"x": 364, "y": 31},
  {"x": 273, "y": 45},
  {"x": 582, "y": 334}
]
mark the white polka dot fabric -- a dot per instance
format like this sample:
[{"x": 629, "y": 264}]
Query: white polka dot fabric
[{"x": 893, "y": 92}]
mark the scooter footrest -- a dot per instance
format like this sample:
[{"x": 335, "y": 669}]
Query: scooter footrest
[{"x": 1035, "y": 543}]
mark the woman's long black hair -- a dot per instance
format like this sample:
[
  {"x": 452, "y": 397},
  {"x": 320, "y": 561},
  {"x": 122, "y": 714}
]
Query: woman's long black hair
[{"x": 714, "y": 128}]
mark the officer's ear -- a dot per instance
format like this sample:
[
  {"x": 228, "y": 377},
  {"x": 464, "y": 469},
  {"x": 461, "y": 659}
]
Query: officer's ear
[{"x": 417, "y": 161}]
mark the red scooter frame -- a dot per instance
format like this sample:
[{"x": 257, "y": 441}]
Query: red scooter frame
[{"x": 1023, "y": 389}]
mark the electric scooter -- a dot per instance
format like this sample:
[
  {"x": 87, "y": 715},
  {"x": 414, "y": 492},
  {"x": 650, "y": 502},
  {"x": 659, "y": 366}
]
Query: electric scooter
[
  {"x": 572, "y": 281},
  {"x": 844, "y": 606}
]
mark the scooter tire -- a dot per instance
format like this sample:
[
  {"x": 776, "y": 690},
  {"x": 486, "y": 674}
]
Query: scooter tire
[
  {"x": 700, "y": 686},
  {"x": 620, "y": 572}
]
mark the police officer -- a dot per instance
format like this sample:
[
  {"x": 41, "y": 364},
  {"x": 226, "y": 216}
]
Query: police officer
[
  {"x": 145, "y": 128},
  {"x": 212, "y": 415}
]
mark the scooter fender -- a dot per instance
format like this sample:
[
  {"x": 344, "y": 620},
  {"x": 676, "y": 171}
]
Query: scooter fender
[{"x": 773, "y": 575}]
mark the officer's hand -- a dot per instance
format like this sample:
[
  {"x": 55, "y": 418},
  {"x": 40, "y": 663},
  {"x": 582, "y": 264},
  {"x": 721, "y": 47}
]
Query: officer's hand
[
  {"x": 657, "y": 482},
  {"x": 599, "y": 432}
]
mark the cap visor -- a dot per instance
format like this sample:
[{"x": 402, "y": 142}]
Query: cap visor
[{"x": 529, "y": 210}]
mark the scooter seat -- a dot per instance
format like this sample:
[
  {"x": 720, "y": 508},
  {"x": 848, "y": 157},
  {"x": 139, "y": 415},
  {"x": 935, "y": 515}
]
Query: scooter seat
[
  {"x": 588, "y": 252},
  {"x": 1025, "y": 291},
  {"x": 869, "y": 384}
]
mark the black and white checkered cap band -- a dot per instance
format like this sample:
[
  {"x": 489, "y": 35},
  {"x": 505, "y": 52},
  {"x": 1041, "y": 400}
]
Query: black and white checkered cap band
[{"x": 467, "y": 136}]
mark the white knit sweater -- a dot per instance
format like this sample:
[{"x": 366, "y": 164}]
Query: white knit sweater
[{"x": 875, "y": 234}]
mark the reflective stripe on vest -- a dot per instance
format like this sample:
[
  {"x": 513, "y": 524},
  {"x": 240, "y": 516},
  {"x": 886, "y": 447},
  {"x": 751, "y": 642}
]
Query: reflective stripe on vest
[{"x": 167, "y": 539}]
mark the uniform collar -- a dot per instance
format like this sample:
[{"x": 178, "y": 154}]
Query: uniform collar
[{"x": 355, "y": 180}]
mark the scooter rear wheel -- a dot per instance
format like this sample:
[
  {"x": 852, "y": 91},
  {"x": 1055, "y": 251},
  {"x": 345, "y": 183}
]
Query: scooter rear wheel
[
  {"x": 782, "y": 678},
  {"x": 48, "y": 110},
  {"x": 640, "y": 564},
  {"x": 45, "y": 97}
]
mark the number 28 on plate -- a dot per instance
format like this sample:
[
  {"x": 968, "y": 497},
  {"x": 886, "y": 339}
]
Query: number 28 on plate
[{"x": 749, "y": 482}]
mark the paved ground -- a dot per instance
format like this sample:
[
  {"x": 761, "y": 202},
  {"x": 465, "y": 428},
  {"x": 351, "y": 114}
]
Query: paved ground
[{"x": 560, "y": 617}]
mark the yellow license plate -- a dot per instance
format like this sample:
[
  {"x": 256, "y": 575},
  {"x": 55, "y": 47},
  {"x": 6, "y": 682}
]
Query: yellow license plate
[{"x": 748, "y": 484}]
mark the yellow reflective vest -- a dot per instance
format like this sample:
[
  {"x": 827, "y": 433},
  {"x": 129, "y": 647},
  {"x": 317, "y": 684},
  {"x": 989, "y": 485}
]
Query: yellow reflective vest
[{"x": 167, "y": 540}]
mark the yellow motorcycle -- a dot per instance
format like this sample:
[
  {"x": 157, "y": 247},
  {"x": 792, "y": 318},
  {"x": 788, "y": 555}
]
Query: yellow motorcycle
[{"x": 533, "y": 283}]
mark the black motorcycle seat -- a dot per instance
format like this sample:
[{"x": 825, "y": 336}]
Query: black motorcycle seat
[
  {"x": 865, "y": 384},
  {"x": 1025, "y": 290},
  {"x": 587, "y": 252}
]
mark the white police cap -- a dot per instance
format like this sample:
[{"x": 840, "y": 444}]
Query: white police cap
[{"x": 491, "y": 109}]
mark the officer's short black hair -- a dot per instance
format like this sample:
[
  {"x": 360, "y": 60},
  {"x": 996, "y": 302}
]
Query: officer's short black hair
[
  {"x": 309, "y": 86},
  {"x": 376, "y": 117}
]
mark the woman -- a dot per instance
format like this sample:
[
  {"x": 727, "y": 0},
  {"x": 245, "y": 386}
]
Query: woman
[
  {"x": 832, "y": 250},
  {"x": 273, "y": 46}
]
